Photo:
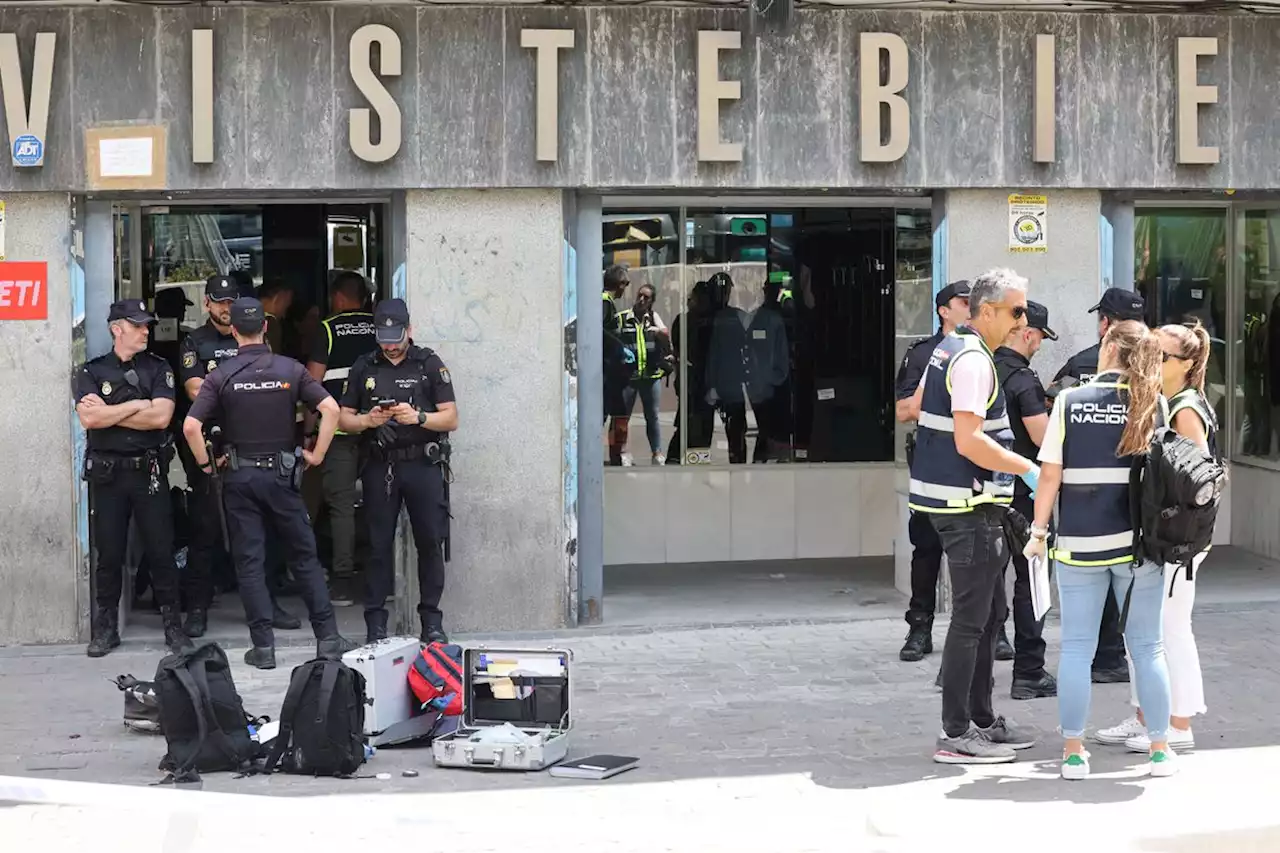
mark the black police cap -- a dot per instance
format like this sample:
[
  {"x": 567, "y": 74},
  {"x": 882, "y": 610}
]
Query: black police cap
[
  {"x": 1121, "y": 304},
  {"x": 951, "y": 291},
  {"x": 247, "y": 315},
  {"x": 133, "y": 310},
  {"x": 390, "y": 320},
  {"x": 221, "y": 288},
  {"x": 1038, "y": 318}
]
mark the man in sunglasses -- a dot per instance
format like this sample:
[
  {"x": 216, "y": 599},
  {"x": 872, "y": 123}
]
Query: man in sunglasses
[
  {"x": 1116, "y": 304},
  {"x": 124, "y": 400}
]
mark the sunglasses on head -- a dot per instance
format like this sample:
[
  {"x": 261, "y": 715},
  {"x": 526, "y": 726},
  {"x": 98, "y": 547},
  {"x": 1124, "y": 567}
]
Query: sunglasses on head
[{"x": 1165, "y": 356}]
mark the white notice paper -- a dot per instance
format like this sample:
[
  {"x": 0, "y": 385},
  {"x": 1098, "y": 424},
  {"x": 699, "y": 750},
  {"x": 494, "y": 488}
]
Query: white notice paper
[
  {"x": 125, "y": 158},
  {"x": 1041, "y": 597}
]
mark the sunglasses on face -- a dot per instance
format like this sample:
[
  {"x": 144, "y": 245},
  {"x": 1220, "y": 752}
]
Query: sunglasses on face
[{"x": 1018, "y": 311}]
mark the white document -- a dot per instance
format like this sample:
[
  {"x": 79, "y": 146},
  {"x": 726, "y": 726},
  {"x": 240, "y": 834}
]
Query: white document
[
  {"x": 1041, "y": 597},
  {"x": 125, "y": 158}
]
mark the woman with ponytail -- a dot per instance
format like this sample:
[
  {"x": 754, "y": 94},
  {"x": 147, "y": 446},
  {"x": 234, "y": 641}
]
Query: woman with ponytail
[
  {"x": 1186, "y": 355},
  {"x": 1095, "y": 431}
]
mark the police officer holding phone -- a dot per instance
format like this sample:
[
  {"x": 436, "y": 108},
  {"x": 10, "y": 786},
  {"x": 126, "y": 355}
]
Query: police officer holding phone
[
  {"x": 125, "y": 400},
  {"x": 254, "y": 396},
  {"x": 401, "y": 397}
]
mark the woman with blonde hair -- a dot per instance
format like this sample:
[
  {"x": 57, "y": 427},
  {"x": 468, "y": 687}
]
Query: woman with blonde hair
[
  {"x": 1186, "y": 356},
  {"x": 1095, "y": 432}
]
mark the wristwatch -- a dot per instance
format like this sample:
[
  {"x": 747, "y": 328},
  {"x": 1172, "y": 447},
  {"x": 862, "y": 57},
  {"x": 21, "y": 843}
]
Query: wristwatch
[{"x": 422, "y": 418}]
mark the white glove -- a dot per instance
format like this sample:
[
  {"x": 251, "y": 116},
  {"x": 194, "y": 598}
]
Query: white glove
[{"x": 1036, "y": 547}]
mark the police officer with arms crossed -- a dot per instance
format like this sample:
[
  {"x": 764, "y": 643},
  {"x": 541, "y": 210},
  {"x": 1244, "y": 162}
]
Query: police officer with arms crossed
[
  {"x": 402, "y": 398},
  {"x": 254, "y": 396},
  {"x": 952, "y": 305},
  {"x": 125, "y": 400},
  {"x": 345, "y": 336},
  {"x": 962, "y": 477},
  {"x": 202, "y": 351},
  {"x": 1028, "y": 416},
  {"x": 1116, "y": 305}
]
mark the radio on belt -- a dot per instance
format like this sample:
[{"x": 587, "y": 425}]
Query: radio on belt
[
  {"x": 392, "y": 714},
  {"x": 517, "y": 712}
]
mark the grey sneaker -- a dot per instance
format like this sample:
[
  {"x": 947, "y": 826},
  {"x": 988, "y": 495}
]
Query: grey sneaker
[
  {"x": 1006, "y": 734},
  {"x": 972, "y": 747}
]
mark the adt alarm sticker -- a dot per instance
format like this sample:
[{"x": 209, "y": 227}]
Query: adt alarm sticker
[{"x": 28, "y": 151}]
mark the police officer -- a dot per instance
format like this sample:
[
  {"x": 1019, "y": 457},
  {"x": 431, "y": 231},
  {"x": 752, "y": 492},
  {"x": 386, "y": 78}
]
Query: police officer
[
  {"x": 1028, "y": 416},
  {"x": 952, "y": 305},
  {"x": 254, "y": 395},
  {"x": 401, "y": 397},
  {"x": 1116, "y": 304},
  {"x": 125, "y": 401},
  {"x": 346, "y": 335},
  {"x": 202, "y": 351},
  {"x": 962, "y": 478}
]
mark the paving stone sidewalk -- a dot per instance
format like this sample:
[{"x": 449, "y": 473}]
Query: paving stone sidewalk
[{"x": 828, "y": 699}]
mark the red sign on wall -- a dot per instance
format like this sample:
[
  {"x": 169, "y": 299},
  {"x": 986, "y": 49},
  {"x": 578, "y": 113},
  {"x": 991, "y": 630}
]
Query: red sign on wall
[{"x": 24, "y": 290}]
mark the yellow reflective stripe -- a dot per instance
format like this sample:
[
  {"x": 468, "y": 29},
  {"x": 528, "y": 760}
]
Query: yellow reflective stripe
[
  {"x": 995, "y": 377},
  {"x": 1065, "y": 557},
  {"x": 328, "y": 330},
  {"x": 938, "y": 510}
]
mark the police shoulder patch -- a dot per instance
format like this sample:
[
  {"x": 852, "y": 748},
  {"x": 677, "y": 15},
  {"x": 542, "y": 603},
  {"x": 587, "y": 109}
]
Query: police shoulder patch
[
  {"x": 168, "y": 378},
  {"x": 188, "y": 359},
  {"x": 444, "y": 375}
]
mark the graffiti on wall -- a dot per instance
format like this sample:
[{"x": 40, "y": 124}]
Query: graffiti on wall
[{"x": 79, "y": 348}]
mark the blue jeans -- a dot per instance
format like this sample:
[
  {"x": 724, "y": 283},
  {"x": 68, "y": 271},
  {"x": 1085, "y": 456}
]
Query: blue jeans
[
  {"x": 649, "y": 391},
  {"x": 1083, "y": 593}
]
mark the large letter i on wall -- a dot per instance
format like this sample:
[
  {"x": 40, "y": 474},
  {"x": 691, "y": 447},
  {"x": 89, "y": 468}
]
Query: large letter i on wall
[
  {"x": 27, "y": 128},
  {"x": 202, "y": 96}
]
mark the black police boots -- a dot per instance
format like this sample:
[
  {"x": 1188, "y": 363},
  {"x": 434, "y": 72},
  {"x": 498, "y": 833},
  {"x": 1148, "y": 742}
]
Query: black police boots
[
  {"x": 1038, "y": 688},
  {"x": 261, "y": 657},
  {"x": 333, "y": 647},
  {"x": 1004, "y": 651},
  {"x": 919, "y": 643},
  {"x": 106, "y": 632},
  {"x": 174, "y": 637},
  {"x": 375, "y": 622},
  {"x": 197, "y": 622},
  {"x": 433, "y": 628}
]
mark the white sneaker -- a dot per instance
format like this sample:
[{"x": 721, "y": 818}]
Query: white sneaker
[
  {"x": 1164, "y": 763},
  {"x": 1117, "y": 735},
  {"x": 1076, "y": 766},
  {"x": 659, "y": 459},
  {"x": 627, "y": 461},
  {"x": 1178, "y": 739}
]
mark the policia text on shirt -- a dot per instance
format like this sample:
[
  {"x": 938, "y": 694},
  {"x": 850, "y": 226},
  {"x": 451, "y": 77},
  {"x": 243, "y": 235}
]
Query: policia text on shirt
[{"x": 401, "y": 398}]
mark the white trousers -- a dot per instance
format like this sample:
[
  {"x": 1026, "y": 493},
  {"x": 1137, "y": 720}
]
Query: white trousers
[{"x": 1186, "y": 684}]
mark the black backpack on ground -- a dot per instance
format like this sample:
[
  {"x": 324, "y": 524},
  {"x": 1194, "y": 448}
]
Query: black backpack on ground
[
  {"x": 322, "y": 721},
  {"x": 201, "y": 715}
]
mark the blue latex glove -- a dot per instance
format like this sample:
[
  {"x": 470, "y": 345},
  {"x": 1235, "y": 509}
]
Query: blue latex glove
[
  {"x": 1032, "y": 479},
  {"x": 628, "y": 355}
]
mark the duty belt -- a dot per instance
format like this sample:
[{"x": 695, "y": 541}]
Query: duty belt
[{"x": 125, "y": 463}]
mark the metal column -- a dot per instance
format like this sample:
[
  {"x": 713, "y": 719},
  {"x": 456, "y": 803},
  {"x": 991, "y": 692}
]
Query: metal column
[{"x": 588, "y": 237}]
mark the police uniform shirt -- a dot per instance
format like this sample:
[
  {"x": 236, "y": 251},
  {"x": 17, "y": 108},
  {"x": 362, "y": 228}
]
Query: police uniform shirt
[
  {"x": 343, "y": 339},
  {"x": 254, "y": 395},
  {"x": 1024, "y": 396},
  {"x": 1082, "y": 366},
  {"x": 203, "y": 350},
  {"x": 913, "y": 366},
  {"x": 421, "y": 378},
  {"x": 146, "y": 377}
]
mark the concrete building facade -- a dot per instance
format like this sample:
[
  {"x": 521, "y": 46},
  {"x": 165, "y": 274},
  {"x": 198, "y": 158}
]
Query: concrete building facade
[{"x": 497, "y": 145}]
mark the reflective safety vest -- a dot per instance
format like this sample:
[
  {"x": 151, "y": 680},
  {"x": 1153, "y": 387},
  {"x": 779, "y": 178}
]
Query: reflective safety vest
[
  {"x": 1094, "y": 525},
  {"x": 648, "y": 363},
  {"x": 943, "y": 481}
]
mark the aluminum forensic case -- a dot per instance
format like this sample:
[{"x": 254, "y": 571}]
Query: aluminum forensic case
[
  {"x": 391, "y": 712},
  {"x": 529, "y": 688}
]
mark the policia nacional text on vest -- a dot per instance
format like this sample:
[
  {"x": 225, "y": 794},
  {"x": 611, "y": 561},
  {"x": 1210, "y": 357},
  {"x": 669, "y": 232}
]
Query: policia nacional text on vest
[
  {"x": 943, "y": 481},
  {"x": 1094, "y": 524},
  {"x": 348, "y": 335},
  {"x": 644, "y": 340}
]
